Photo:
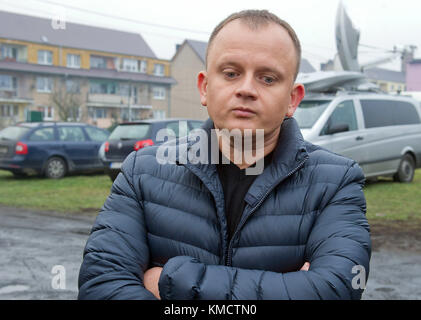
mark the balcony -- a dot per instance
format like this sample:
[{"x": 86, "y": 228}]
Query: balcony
[
  {"x": 13, "y": 53},
  {"x": 114, "y": 101}
]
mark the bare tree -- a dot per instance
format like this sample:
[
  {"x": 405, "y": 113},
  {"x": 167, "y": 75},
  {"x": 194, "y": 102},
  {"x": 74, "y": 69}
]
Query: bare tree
[{"x": 67, "y": 100}]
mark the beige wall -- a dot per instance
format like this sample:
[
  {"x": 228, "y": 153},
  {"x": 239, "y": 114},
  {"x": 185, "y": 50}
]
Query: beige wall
[
  {"x": 185, "y": 99},
  {"x": 390, "y": 86}
]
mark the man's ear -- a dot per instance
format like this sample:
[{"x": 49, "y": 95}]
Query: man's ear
[
  {"x": 297, "y": 94},
  {"x": 202, "y": 85}
]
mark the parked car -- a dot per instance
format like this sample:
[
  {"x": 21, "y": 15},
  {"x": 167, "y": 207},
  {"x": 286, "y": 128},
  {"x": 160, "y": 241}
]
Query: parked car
[
  {"x": 51, "y": 148},
  {"x": 131, "y": 136},
  {"x": 381, "y": 132}
]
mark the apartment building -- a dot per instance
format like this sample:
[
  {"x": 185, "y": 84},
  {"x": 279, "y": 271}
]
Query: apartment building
[
  {"x": 413, "y": 75},
  {"x": 387, "y": 80},
  {"x": 78, "y": 72}
]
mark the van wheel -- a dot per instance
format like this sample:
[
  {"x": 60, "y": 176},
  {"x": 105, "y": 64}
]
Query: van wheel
[
  {"x": 55, "y": 168},
  {"x": 406, "y": 169}
]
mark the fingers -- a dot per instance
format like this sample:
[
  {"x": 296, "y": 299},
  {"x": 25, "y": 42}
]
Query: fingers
[{"x": 305, "y": 267}]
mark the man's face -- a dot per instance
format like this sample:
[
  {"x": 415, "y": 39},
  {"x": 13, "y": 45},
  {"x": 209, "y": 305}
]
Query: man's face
[{"x": 249, "y": 82}]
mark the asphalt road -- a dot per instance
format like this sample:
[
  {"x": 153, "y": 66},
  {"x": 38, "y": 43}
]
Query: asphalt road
[{"x": 36, "y": 247}]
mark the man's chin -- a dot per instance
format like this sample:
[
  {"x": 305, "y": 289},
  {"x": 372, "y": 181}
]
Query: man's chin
[{"x": 242, "y": 125}]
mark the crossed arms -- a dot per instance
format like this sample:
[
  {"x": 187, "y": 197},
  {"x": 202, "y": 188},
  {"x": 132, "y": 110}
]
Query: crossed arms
[{"x": 116, "y": 256}]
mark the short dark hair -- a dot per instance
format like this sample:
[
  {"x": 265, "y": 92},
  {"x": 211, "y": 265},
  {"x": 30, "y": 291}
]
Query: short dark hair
[{"x": 255, "y": 19}]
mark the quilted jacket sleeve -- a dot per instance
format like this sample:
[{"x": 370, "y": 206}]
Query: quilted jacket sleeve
[
  {"x": 116, "y": 253},
  {"x": 338, "y": 249}
]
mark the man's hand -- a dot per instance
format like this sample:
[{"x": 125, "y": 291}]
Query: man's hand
[
  {"x": 151, "y": 279},
  {"x": 305, "y": 267}
]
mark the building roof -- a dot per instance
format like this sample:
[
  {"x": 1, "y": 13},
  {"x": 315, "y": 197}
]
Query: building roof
[
  {"x": 40, "y": 30},
  {"x": 385, "y": 75},
  {"x": 199, "y": 47},
  {"x": 306, "y": 67},
  {"x": 85, "y": 73}
]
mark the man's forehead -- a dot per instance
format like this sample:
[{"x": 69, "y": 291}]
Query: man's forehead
[{"x": 239, "y": 35}]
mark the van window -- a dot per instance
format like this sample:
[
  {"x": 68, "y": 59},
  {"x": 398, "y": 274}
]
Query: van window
[
  {"x": 382, "y": 113},
  {"x": 344, "y": 113},
  {"x": 309, "y": 111}
]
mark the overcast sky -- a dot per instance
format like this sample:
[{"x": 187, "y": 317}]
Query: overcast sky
[{"x": 164, "y": 23}]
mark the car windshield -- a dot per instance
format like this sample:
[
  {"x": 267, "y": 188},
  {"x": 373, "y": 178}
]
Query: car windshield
[
  {"x": 13, "y": 133},
  {"x": 130, "y": 132},
  {"x": 309, "y": 111}
]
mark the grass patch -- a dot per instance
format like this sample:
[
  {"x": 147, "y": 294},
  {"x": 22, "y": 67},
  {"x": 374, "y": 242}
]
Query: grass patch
[
  {"x": 388, "y": 200},
  {"x": 72, "y": 194}
]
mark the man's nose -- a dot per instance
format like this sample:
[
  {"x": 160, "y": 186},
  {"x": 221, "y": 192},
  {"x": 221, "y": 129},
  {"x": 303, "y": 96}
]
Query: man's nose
[{"x": 246, "y": 88}]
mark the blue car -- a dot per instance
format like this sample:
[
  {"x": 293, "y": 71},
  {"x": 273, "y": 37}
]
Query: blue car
[{"x": 52, "y": 149}]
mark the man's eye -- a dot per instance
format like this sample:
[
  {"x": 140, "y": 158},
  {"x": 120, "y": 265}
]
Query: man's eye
[
  {"x": 268, "y": 80},
  {"x": 230, "y": 74}
]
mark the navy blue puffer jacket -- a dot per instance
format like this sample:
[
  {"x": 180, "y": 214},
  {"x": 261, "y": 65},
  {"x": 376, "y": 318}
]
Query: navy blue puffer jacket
[{"x": 307, "y": 205}]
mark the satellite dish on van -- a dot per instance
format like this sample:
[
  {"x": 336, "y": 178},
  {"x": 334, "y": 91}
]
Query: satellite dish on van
[
  {"x": 332, "y": 81},
  {"x": 347, "y": 40}
]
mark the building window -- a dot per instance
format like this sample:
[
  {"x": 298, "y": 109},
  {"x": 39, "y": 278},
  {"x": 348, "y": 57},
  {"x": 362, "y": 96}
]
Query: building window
[
  {"x": 44, "y": 84},
  {"x": 45, "y": 57},
  {"x": 158, "y": 69},
  {"x": 103, "y": 87},
  {"x": 9, "y": 53},
  {"x": 98, "y": 62},
  {"x": 97, "y": 113},
  {"x": 159, "y": 114},
  {"x": 73, "y": 61},
  {"x": 47, "y": 112},
  {"x": 143, "y": 66},
  {"x": 124, "y": 89},
  {"x": 159, "y": 93},
  {"x": 130, "y": 65},
  {"x": 8, "y": 110},
  {"x": 72, "y": 86},
  {"x": 7, "y": 82}
]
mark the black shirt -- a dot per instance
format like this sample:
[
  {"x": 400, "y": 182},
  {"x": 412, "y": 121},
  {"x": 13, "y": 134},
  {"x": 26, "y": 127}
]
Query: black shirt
[{"x": 235, "y": 184}]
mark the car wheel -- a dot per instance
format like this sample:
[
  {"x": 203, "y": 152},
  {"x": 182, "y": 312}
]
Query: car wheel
[
  {"x": 55, "y": 168},
  {"x": 406, "y": 169}
]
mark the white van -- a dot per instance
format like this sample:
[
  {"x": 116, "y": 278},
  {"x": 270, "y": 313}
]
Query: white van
[{"x": 380, "y": 131}]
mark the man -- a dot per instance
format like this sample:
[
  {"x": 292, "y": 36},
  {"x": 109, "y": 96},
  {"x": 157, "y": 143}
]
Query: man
[{"x": 189, "y": 230}]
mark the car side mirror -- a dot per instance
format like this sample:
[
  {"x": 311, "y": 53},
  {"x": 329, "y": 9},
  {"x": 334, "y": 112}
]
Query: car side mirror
[{"x": 336, "y": 128}]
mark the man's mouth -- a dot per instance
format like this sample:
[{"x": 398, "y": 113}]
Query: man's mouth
[{"x": 243, "y": 112}]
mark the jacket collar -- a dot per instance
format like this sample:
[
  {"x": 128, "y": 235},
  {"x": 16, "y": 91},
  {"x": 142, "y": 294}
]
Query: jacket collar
[{"x": 289, "y": 154}]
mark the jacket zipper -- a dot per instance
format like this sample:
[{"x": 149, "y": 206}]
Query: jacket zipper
[{"x": 243, "y": 221}]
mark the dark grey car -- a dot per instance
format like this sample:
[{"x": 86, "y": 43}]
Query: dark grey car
[{"x": 132, "y": 136}]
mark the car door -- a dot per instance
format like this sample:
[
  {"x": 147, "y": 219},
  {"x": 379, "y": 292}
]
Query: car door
[
  {"x": 41, "y": 143},
  {"x": 76, "y": 146},
  {"x": 347, "y": 143}
]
